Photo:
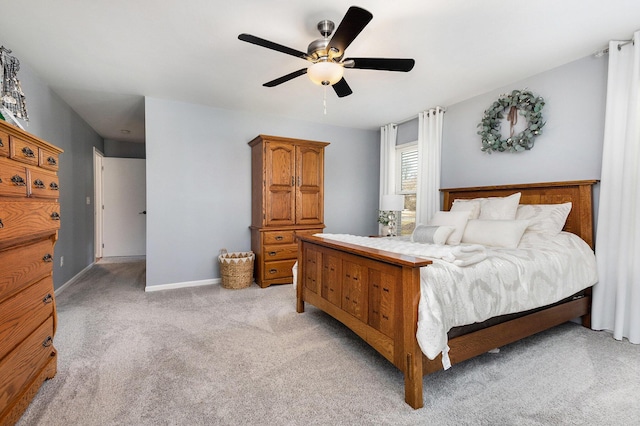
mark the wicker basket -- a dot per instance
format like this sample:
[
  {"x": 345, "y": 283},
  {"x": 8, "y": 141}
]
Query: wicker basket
[{"x": 236, "y": 269}]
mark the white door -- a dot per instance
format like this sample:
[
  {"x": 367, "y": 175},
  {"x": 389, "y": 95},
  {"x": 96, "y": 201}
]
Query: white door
[
  {"x": 124, "y": 216},
  {"x": 98, "y": 158}
]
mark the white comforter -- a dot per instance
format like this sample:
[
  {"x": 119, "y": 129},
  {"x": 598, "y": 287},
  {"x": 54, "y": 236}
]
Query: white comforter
[{"x": 541, "y": 271}]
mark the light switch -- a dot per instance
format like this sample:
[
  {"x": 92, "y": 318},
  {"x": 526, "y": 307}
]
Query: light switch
[{"x": 88, "y": 200}]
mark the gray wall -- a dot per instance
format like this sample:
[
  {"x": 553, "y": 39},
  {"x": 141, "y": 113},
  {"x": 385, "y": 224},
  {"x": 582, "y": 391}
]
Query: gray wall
[
  {"x": 570, "y": 147},
  {"x": 199, "y": 183},
  {"x": 54, "y": 121},
  {"x": 123, "y": 149}
]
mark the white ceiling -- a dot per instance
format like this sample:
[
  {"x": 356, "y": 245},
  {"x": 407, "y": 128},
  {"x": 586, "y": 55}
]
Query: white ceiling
[{"x": 103, "y": 56}]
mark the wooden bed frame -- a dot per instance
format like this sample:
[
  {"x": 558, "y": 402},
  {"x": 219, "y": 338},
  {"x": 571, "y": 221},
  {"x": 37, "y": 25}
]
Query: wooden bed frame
[{"x": 376, "y": 293}]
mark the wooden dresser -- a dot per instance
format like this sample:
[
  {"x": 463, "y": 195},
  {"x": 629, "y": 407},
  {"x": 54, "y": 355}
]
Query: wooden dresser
[
  {"x": 29, "y": 223},
  {"x": 287, "y": 195}
]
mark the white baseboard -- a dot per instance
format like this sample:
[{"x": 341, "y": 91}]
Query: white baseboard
[
  {"x": 73, "y": 279},
  {"x": 185, "y": 284}
]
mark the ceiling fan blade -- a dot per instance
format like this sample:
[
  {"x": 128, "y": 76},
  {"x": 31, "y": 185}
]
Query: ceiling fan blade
[
  {"x": 382, "y": 64},
  {"x": 271, "y": 45},
  {"x": 352, "y": 24},
  {"x": 342, "y": 89},
  {"x": 285, "y": 78}
]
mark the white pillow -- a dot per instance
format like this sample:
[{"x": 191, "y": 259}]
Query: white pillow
[
  {"x": 472, "y": 206},
  {"x": 431, "y": 234},
  {"x": 456, "y": 219},
  {"x": 495, "y": 233},
  {"x": 500, "y": 208},
  {"x": 544, "y": 218}
]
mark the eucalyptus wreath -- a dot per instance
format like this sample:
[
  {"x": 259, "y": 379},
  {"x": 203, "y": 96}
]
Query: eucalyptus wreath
[{"x": 519, "y": 102}]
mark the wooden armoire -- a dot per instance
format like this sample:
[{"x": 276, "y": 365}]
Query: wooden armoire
[
  {"x": 287, "y": 196},
  {"x": 29, "y": 223}
]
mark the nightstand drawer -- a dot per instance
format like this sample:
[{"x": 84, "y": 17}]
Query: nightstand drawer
[
  {"x": 278, "y": 237},
  {"x": 280, "y": 252},
  {"x": 278, "y": 269}
]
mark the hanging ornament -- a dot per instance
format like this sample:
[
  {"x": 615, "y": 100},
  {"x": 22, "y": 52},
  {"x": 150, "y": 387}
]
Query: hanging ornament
[{"x": 12, "y": 99}]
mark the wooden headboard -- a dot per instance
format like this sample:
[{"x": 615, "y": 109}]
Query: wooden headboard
[{"x": 580, "y": 220}]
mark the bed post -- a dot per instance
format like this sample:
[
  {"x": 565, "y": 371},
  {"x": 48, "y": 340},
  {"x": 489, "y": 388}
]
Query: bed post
[{"x": 410, "y": 349}]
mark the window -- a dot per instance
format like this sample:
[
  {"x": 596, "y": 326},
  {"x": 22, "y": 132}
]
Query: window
[{"x": 407, "y": 183}]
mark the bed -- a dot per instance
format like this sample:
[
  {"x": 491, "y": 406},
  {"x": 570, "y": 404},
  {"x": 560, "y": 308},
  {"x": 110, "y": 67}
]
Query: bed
[{"x": 376, "y": 293}]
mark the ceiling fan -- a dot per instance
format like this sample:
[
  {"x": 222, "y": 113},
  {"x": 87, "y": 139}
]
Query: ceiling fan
[{"x": 327, "y": 53}]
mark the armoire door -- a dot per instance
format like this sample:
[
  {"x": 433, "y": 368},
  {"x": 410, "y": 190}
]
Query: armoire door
[
  {"x": 280, "y": 184},
  {"x": 309, "y": 185}
]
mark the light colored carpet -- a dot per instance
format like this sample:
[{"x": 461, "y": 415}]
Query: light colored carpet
[{"x": 212, "y": 356}]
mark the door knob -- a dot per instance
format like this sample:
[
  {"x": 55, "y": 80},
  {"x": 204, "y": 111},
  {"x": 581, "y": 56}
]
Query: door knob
[{"x": 143, "y": 212}]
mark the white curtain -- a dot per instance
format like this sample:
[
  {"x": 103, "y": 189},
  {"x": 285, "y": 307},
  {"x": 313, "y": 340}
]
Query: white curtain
[
  {"x": 429, "y": 149},
  {"x": 388, "y": 136},
  {"x": 616, "y": 297}
]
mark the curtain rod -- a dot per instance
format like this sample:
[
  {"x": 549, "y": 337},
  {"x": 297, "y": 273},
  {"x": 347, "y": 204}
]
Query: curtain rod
[
  {"x": 606, "y": 49},
  {"x": 413, "y": 117}
]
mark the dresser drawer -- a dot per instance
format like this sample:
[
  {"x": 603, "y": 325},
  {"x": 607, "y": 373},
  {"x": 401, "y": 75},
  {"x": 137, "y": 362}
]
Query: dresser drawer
[
  {"x": 23, "y": 265},
  {"x": 24, "y": 151},
  {"x": 48, "y": 160},
  {"x": 24, "y": 363},
  {"x": 307, "y": 232},
  {"x": 13, "y": 179},
  {"x": 24, "y": 312},
  {"x": 18, "y": 219},
  {"x": 278, "y": 237},
  {"x": 280, "y": 252},
  {"x": 4, "y": 144},
  {"x": 44, "y": 184},
  {"x": 278, "y": 269}
]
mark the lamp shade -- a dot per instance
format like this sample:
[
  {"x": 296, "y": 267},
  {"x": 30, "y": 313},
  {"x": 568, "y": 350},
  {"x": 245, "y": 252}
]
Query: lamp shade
[
  {"x": 325, "y": 73},
  {"x": 392, "y": 203}
]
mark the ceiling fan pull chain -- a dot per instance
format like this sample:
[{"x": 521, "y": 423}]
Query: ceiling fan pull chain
[{"x": 324, "y": 101}]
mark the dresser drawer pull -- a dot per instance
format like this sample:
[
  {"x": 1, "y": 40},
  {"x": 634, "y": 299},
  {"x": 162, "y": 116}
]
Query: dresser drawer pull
[
  {"x": 53, "y": 186},
  {"x": 18, "y": 180},
  {"x": 273, "y": 271},
  {"x": 28, "y": 152},
  {"x": 1, "y": 143},
  {"x": 273, "y": 253},
  {"x": 47, "y": 342},
  {"x": 1, "y": 224},
  {"x": 52, "y": 161},
  {"x": 47, "y": 299},
  {"x": 279, "y": 238},
  {"x": 47, "y": 258},
  {"x": 38, "y": 184},
  {"x": 55, "y": 216}
]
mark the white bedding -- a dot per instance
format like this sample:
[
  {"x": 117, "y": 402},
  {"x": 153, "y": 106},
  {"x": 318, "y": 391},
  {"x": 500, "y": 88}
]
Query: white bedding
[{"x": 541, "y": 271}]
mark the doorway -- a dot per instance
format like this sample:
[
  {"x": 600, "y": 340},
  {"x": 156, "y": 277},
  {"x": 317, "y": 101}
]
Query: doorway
[{"x": 121, "y": 217}]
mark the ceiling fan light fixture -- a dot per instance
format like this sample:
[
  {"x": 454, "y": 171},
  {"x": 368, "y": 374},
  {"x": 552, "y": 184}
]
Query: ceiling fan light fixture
[{"x": 325, "y": 73}]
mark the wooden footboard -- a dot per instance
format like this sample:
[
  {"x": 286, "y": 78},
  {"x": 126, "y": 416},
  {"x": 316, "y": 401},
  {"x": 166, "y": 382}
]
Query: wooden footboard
[{"x": 376, "y": 293}]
